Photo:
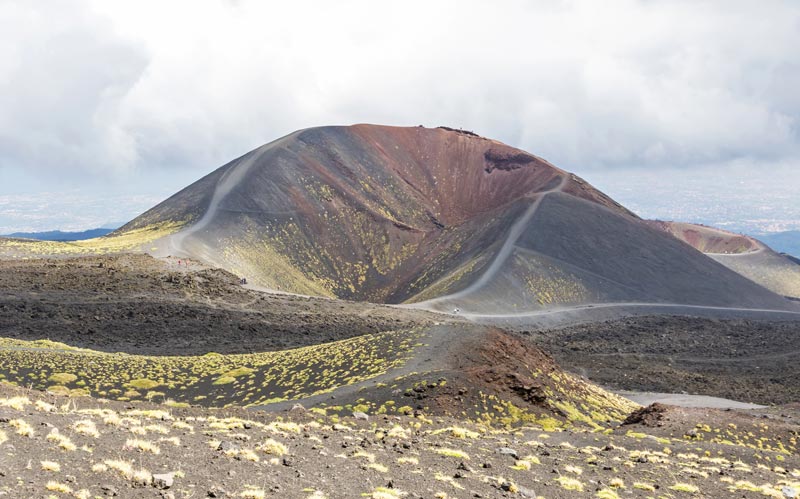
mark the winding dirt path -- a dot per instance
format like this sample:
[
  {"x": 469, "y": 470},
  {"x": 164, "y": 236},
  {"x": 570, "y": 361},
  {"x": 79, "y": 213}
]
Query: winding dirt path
[
  {"x": 685, "y": 400},
  {"x": 225, "y": 185},
  {"x": 760, "y": 249},
  {"x": 590, "y": 306},
  {"x": 505, "y": 250}
]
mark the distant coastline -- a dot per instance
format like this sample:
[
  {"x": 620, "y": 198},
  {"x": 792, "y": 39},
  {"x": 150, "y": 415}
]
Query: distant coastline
[{"x": 57, "y": 235}]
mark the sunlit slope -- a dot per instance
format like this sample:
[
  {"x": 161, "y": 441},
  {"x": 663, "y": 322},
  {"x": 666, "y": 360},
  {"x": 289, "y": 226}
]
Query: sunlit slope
[
  {"x": 742, "y": 254},
  {"x": 140, "y": 239}
]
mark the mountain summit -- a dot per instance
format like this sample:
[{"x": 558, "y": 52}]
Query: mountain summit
[{"x": 438, "y": 216}]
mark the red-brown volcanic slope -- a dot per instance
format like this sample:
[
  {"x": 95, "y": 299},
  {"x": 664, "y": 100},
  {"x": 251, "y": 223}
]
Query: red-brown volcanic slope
[
  {"x": 365, "y": 212},
  {"x": 709, "y": 239},
  {"x": 456, "y": 176},
  {"x": 392, "y": 214}
]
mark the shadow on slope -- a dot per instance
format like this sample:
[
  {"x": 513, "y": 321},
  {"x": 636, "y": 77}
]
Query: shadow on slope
[{"x": 575, "y": 252}]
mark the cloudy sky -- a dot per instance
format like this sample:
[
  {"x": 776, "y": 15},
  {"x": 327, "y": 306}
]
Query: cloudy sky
[{"x": 109, "y": 106}]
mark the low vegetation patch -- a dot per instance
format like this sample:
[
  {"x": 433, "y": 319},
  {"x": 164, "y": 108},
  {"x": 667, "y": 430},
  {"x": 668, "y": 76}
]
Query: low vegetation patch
[{"x": 216, "y": 380}]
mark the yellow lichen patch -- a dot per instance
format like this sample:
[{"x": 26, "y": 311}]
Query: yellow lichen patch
[
  {"x": 63, "y": 441},
  {"x": 42, "y": 406},
  {"x": 273, "y": 447},
  {"x": 386, "y": 493},
  {"x": 150, "y": 414},
  {"x": 617, "y": 483},
  {"x": 283, "y": 427},
  {"x": 458, "y": 454},
  {"x": 126, "y": 469},
  {"x": 86, "y": 427},
  {"x": 253, "y": 493},
  {"x": 397, "y": 431},
  {"x": 457, "y": 432},
  {"x": 216, "y": 380},
  {"x": 132, "y": 240},
  {"x": 606, "y": 494},
  {"x": 377, "y": 467},
  {"x": 548, "y": 283},
  {"x": 21, "y": 427},
  {"x": 62, "y": 488},
  {"x": 522, "y": 465},
  {"x": 142, "y": 384},
  {"x": 16, "y": 403},
  {"x": 570, "y": 483},
  {"x": 51, "y": 466},
  {"x": 142, "y": 445},
  {"x": 684, "y": 487},
  {"x": 181, "y": 425},
  {"x": 578, "y": 401},
  {"x": 448, "y": 479},
  {"x": 62, "y": 378},
  {"x": 249, "y": 455},
  {"x": 263, "y": 262}
]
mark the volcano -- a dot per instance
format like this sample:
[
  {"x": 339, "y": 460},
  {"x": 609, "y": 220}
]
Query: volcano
[{"x": 439, "y": 217}]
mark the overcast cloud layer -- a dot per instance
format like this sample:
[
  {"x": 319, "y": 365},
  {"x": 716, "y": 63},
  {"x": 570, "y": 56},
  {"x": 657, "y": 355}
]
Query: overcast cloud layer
[{"x": 141, "y": 98}]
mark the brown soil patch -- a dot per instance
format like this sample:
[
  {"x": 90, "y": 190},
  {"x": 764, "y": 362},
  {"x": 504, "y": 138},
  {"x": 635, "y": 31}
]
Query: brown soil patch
[{"x": 139, "y": 304}]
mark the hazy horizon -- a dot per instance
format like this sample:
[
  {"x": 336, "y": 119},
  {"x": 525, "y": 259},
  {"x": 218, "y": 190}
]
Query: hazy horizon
[{"x": 733, "y": 202}]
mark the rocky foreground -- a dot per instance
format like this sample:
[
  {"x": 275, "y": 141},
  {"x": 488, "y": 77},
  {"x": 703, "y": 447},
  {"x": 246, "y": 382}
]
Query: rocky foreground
[
  {"x": 466, "y": 410},
  {"x": 85, "y": 448}
]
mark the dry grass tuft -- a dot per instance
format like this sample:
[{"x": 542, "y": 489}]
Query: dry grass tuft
[
  {"x": 62, "y": 441},
  {"x": 62, "y": 488},
  {"x": 16, "y": 403},
  {"x": 22, "y": 427},
  {"x": 86, "y": 427},
  {"x": 142, "y": 445},
  {"x": 273, "y": 447},
  {"x": 51, "y": 466}
]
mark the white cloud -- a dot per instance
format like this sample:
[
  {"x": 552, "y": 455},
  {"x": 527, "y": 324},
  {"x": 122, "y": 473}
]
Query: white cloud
[
  {"x": 117, "y": 89},
  {"x": 63, "y": 78}
]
